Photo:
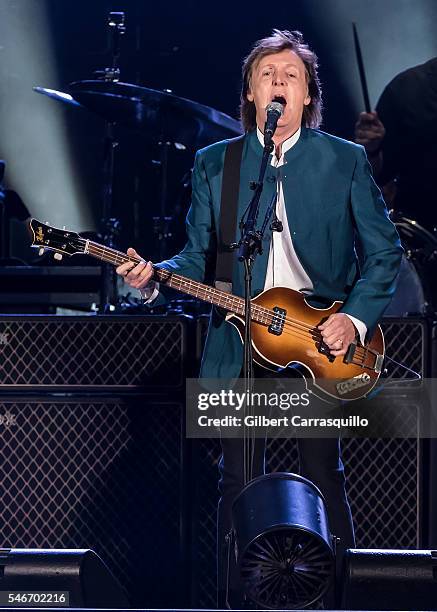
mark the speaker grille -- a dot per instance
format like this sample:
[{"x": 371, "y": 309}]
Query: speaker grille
[
  {"x": 406, "y": 341},
  {"x": 101, "y": 474},
  {"x": 92, "y": 352}
]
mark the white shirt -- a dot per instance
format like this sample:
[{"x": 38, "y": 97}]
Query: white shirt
[{"x": 284, "y": 268}]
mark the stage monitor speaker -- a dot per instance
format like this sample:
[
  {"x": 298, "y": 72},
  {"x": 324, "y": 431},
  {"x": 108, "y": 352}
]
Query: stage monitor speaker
[
  {"x": 390, "y": 580},
  {"x": 63, "y": 578}
]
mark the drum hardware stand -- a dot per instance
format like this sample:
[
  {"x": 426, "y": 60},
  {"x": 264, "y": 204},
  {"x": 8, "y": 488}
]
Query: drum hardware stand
[
  {"x": 161, "y": 223},
  {"x": 110, "y": 226}
]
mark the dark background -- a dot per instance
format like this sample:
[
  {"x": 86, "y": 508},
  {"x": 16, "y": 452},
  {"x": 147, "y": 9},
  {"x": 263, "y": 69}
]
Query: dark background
[{"x": 54, "y": 152}]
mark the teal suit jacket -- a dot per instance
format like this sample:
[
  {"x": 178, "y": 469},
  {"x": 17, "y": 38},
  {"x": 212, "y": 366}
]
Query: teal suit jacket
[{"x": 333, "y": 205}]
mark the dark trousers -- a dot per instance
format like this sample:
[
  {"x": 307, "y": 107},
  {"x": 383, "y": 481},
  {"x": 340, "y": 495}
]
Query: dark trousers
[{"x": 320, "y": 462}]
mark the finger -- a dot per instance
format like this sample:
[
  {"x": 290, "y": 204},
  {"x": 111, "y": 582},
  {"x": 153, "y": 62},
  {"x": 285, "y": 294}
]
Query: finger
[
  {"x": 127, "y": 265},
  {"x": 326, "y": 323},
  {"x": 334, "y": 346},
  {"x": 335, "y": 327},
  {"x": 124, "y": 268},
  {"x": 145, "y": 277},
  {"x": 334, "y": 334},
  {"x": 338, "y": 353},
  {"x": 135, "y": 272},
  {"x": 134, "y": 255},
  {"x": 331, "y": 338}
]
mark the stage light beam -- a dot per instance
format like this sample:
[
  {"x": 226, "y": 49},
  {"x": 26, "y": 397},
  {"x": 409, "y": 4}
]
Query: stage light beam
[{"x": 33, "y": 131}]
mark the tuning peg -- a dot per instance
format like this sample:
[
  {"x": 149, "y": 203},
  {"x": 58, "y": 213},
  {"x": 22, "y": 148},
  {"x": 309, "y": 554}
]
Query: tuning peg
[
  {"x": 41, "y": 251},
  {"x": 58, "y": 256},
  {"x": 47, "y": 223}
]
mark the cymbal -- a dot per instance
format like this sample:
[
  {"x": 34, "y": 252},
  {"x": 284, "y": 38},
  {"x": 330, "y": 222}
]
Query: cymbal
[
  {"x": 57, "y": 95},
  {"x": 160, "y": 115}
]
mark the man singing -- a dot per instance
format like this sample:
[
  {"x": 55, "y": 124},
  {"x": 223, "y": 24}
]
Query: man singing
[{"x": 328, "y": 204}]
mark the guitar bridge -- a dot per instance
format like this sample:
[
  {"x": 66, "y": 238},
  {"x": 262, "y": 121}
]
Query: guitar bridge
[
  {"x": 277, "y": 325},
  {"x": 378, "y": 363}
]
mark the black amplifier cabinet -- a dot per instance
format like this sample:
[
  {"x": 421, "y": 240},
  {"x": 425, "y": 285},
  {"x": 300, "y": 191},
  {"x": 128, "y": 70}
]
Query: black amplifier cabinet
[
  {"x": 106, "y": 353},
  {"x": 41, "y": 288},
  {"x": 99, "y": 472}
]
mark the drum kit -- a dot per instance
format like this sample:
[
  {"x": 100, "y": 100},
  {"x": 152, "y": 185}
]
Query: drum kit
[
  {"x": 160, "y": 117},
  {"x": 416, "y": 291},
  {"x": 172, "y": 121}
]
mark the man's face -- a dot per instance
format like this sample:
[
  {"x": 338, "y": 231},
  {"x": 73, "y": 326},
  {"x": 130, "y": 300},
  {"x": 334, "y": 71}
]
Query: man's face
[{"x": 280, "y": 76}]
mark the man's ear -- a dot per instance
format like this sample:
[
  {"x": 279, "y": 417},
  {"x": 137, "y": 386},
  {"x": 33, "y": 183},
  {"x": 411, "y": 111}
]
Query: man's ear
[
  {"x": 307, "y": 100},
  {"x": 249, "y": 94}
]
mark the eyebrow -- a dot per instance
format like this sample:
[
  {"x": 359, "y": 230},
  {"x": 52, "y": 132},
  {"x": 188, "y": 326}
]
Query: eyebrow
[{"x": 262, "y": 66}]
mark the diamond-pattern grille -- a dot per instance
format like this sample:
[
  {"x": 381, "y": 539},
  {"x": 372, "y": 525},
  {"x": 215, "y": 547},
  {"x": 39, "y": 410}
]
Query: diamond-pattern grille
[
  {"x": 406, "y": 343},
  {"x": 383, "y": 483},
  {"x": 105, "y": 475},
  {"x": 97, "y": 351}
]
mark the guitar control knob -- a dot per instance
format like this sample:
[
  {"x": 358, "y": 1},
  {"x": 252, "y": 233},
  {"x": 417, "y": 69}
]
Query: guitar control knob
[
  {"x": 58, "y": 256},
  {"x": 41, "y": 251}
]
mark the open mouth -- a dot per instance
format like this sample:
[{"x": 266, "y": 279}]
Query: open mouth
[{"x": 280, "y": 99}]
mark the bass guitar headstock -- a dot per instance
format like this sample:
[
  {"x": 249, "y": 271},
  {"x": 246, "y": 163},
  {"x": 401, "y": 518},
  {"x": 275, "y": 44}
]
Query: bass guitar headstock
[{"x": 61, "y": 241}]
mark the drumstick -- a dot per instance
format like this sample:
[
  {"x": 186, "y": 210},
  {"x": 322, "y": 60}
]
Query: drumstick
[{"x": 361, "y": 70}]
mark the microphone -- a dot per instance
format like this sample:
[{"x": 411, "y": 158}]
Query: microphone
[{"x": 274, "y": 110}]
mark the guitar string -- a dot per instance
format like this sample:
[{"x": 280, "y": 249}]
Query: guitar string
[{"x": 289, "y": 322}]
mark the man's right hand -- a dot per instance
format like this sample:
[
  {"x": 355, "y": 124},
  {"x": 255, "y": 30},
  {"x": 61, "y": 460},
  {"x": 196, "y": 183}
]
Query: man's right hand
[
  {"x": 369, "y": 132},
  {"x": 137, "y": 276}
]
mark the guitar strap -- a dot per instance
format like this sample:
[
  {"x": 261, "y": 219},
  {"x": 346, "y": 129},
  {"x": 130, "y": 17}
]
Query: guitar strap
[{"x": 228, "y": 213}]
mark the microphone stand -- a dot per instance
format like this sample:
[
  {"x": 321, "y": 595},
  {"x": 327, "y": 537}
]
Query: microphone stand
[{"x": 249, "y": 247}]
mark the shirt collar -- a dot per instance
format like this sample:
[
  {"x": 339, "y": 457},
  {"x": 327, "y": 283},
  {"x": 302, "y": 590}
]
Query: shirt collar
[{"x": 286, "y": 145}]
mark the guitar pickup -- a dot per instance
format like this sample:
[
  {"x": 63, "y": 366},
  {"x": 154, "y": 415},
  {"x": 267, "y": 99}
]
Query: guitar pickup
[{"x": 276, "y": 327}]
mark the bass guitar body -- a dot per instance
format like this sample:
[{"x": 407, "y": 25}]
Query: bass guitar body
[{"x": 298, "y": 342}]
